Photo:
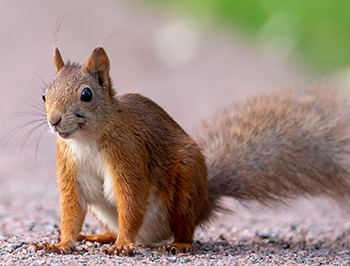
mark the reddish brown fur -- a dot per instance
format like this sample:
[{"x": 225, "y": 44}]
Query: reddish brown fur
[
  {"x": 270, "y": 149},
  {"x": 71, "y": 215},
  {"x": 145, "y": 152}
]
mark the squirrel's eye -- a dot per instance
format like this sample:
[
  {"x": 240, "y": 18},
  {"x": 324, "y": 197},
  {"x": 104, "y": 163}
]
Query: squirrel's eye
[
  {"x": 86, "y": 95},
  {"x": 43, "y": 96}
]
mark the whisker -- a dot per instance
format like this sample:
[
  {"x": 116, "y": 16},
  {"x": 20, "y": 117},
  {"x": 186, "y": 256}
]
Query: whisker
[
  {"x": 38, "y": 142},
  {"x": 41, "y": 108},
  {"x": 15, "y": 130},
  {"x": 42, "y": 81},
  {"x": 38, "y": 104},
  {"x": 19, "y": 127},
  {"x": 37, "y": 113},
  {"x": 29, "y": 133},
  {"x": 57, "y": 27},
  {"x": 26, "y": 113}
]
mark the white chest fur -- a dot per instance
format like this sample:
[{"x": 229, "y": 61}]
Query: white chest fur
[
  {"x": 95, "y": 186},
  {"x": 95, "y": 189}
]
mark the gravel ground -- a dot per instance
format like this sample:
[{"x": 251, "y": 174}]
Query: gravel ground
[
  {"x": 221, "y": 69},
  {"x": 309, "y": 232}
]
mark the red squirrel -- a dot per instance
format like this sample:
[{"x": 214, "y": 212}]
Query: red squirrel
[{"x": 145, "y": 180}]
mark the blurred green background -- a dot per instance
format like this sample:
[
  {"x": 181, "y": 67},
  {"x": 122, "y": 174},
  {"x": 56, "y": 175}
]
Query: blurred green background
[{"x": 315, "y": 33}]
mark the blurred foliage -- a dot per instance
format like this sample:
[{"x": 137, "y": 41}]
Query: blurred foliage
[{"x": 316, "y": 31}]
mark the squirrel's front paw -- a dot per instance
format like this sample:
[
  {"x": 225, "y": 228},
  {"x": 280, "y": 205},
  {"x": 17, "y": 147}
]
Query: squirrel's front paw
[
  {"x": 122, "y": 250},
  {"x": 59, "y": 248}
]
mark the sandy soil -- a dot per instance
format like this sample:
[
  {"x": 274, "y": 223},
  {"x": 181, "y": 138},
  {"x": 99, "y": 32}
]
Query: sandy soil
[{"x": 211, "y": 70}]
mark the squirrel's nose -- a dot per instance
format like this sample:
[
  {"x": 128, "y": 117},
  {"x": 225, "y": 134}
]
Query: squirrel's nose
[{"x": 54, "y": 121}]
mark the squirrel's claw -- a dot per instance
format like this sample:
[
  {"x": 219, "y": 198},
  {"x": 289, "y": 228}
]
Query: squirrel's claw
[
  {"x": 36, "y": 247},
  {"x": 175, "y": 248},
  {"x": 51, "y": 248},
  {"x": 125, "y": 250},
  {"x": 58, "y": 236}
]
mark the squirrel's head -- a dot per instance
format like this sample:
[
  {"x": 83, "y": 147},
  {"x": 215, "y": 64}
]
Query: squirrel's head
[{"x": 80, "y": 99}]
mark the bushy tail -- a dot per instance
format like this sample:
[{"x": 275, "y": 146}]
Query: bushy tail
[{"x": 280, "y": 146}]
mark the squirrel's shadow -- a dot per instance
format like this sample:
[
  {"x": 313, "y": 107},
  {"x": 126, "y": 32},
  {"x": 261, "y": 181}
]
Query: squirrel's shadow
[{"x": 269, "y": 245}]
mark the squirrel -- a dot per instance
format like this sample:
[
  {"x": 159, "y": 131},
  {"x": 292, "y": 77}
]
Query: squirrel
[{"x": 146, "y": 180}]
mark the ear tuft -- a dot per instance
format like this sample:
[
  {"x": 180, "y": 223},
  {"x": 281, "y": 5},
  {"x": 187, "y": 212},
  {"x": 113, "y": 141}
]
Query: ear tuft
[
  {"x": 58, "y": 60},
  {"x": 98, "y": 65}
]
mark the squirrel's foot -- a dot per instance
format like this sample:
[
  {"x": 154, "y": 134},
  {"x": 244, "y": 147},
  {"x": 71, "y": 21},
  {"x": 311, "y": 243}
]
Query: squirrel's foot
[
  {"x": 106, "y": 238},
  {"x": 60, "y": 248},
  {"x": 176, "y": 247},
  {"x": 122, "y": 250}
]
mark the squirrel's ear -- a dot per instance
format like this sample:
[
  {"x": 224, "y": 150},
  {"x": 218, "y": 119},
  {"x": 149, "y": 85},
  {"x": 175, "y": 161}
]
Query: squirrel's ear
[
  {"x": 58, "y": 60},
  {"x": 98, "y": 65}
]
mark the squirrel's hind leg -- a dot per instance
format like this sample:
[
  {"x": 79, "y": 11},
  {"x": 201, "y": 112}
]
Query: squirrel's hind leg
[
  {"x": 105, "y": 238},
  {"x": 188, "y": 204},
  {"x": 182, "y": 224},
  {"x": 183, "y": 238}
]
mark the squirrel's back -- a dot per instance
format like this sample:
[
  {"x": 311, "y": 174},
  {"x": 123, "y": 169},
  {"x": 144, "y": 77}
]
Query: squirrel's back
[{"x": 280, "y": 146}]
